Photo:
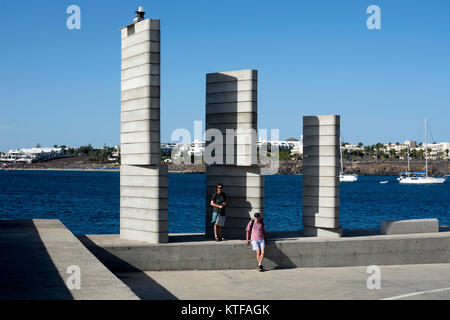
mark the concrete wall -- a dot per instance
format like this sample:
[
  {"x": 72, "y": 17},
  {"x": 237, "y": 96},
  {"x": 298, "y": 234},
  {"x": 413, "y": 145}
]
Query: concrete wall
[
  {"x": 295, "y": 252},
  {"x": 140, "y": 114},
  {"x": 409, "y": 226},
  {"x": 231, "y": 105},
  {"x": 143, "y": 181},
  {"x": 321, "y": 176}
]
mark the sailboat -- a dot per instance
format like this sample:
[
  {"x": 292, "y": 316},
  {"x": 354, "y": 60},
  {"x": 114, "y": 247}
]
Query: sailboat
[
  {"x": 345, "y": 177},
  {"x": 420, "y": 177}
]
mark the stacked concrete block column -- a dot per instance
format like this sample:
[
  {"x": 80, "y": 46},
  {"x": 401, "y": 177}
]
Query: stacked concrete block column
[
  {"x": 321, "y": 176},
  {"x": 140, "y": 117},
  {"x": 231, "y": 107},
  {"x": 143, "y": 181},
  {"x": 231, "y": 104}
]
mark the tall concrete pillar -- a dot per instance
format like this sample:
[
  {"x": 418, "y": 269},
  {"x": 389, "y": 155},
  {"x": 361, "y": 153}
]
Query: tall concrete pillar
[
  {"x": 143, "y": 180},
  {"x": 231, "y": 112},
  {"x": 321, "y": 176}
]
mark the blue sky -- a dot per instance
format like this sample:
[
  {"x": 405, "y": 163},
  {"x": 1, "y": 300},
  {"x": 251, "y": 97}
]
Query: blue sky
[{"x": 61, "y": 86}]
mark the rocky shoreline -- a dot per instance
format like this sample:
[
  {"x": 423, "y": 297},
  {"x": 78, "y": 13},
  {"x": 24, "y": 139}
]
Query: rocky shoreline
[
  {"x": 362, "y": 168},
  {"x": 374, "y": 168},
  {"x": 381, "y": 168}
]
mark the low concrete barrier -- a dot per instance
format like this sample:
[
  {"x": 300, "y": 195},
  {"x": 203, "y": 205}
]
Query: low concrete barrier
[
  {"x": 285, "y": 250},
  {"x": 41, "y": 260},
  {"x": 409, "y": 226}
]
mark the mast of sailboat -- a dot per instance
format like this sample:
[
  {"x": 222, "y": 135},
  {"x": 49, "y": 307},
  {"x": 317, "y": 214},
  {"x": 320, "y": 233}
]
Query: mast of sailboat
[
  {"x": 426, "y": 151},
  {"x": 340, "y": 151},
  {"x": 409, "y": 170}
]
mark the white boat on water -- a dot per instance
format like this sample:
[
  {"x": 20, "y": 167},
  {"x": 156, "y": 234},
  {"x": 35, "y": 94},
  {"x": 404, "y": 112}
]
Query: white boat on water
[
  {"x": 420, "y": 177},
  {"x": 346, "y": 177}
]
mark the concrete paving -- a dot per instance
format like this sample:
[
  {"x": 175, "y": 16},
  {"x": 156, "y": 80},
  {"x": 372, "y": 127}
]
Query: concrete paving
[
  {"x": 397, "y": 282},
  {"x": 35, "y": 257}
]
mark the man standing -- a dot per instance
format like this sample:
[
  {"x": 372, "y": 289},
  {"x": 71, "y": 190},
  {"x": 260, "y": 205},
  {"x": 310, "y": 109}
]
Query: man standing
[{"x": 218, "y": 201}]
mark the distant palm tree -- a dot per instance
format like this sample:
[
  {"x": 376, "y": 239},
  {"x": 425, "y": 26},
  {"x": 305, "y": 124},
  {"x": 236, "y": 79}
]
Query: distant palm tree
[
  {"x": 403, "y": 153},
  {"x": 392, "y": 153},
  {"x": 344, "y": 154},
  {"x": 380, "y": 155},
  {"x": 420, "y": 154},
  {"x": 379, "y": 146},
  {"x": 360, "y": 154},
  {"x": 372, "y": 152}
]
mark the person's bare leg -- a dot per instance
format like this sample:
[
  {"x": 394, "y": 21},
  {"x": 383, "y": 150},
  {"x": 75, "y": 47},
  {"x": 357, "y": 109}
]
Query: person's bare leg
[
  {"x": 258, "y": 252},
  {"x": 219, "y": 233},
  {"x": 261, "y": 257},
  {"x": 215, "y": 230}
]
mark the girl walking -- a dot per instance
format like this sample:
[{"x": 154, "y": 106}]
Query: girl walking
[{"x": 256, "y": 232}]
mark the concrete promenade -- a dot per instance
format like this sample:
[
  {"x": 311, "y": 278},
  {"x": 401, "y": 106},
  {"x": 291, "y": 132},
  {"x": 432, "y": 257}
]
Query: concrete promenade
[
  {"x": 35, "y": 256},
  {"x": 34, "y": 259},
  {"x": 398, "y": 282}
]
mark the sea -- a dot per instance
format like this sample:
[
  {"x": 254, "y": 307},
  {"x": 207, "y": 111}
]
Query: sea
[{"x": 87, "y": 202}]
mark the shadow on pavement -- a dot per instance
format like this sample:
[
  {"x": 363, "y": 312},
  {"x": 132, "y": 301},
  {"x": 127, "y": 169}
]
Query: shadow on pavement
[
  {"x": 137, "y": 280},
  {"x": 27, "y": 271}
]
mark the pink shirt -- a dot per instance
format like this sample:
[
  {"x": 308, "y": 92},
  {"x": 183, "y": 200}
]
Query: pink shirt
[{"x": 257, "y": 231}]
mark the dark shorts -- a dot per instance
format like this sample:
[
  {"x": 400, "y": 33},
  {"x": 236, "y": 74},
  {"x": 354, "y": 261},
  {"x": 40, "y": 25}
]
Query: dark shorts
[{"x": 220, "y": 221}]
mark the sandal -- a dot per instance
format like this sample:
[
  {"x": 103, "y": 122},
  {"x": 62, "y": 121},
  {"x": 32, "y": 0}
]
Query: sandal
[
  {"x": 217, "y": 239},
  {"x": 222, "y": 238}
]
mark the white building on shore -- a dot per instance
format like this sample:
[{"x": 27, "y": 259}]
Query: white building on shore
[
  {"x": 114, "y": 157},
  {"x": 292, "y": 144},
  {"x": 442, "y": 149},
  {"x": 197, "y": 147},
  {"x": 30, "y": 154}
]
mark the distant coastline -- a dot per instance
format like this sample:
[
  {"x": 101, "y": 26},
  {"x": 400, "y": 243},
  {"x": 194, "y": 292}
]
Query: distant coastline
[
  {"x": 364, "y": 168},
  {"x": 375, "y": 168},
  {"x": 59, "y": 169}
]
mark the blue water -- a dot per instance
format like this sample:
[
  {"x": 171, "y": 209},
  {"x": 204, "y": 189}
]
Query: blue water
[{"x": 88, "y": 202}]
